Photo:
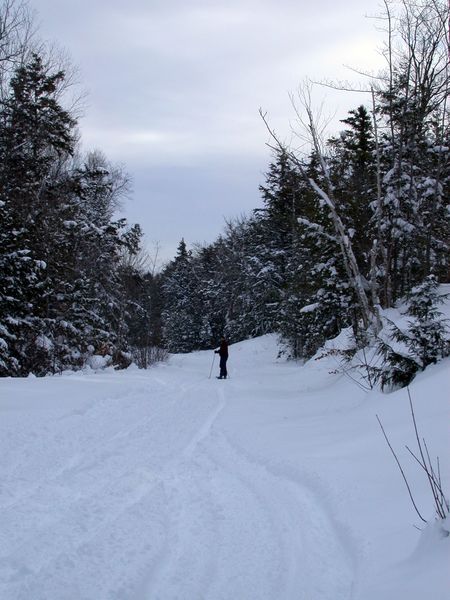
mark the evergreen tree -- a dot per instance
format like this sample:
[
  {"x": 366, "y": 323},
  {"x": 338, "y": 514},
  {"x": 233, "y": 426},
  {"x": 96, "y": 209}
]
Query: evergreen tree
[
  {"x": 353, "y": 167},
  {"x": 184, "y": 321},
  {"x": 277, "y": 230},
  {"x": 36, "y": 135},
  {"x": 425, "y": 340},
  {"x": 63, "y": 288},
  {"x": 415, "y": 151}
]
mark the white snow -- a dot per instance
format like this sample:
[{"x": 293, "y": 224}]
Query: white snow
[
  {"x": 163, "y": 484},
  {"x": 310, "y": 307},
  {"x": 97, "y": 361},
  {"x": 42, "y": 341}
]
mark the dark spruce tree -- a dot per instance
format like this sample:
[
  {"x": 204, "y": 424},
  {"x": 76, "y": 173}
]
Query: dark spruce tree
[
  {"x": 185, "y": 323},
  {"x": 423, "y": 342},
  {"x": 62, "y": 289},
  {"x": 36, "y": 137},
  {"x": 353, "y": 167}
]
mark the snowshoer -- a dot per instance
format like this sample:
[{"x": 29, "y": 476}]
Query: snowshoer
[{"x": 223, "y": 353}]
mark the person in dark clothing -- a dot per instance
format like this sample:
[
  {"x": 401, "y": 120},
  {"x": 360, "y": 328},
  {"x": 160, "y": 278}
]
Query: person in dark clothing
[{"x": 223, "y": 353}]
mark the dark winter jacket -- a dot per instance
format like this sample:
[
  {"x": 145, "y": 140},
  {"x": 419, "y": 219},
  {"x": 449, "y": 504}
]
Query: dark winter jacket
[{"x": 223, "y": 349}]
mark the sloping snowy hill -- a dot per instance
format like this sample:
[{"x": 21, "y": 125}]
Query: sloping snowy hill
[{"x": 275, "y": 484}]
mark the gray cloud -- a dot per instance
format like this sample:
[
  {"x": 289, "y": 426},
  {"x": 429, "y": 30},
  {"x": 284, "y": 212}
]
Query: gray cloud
[
  {"x": 175, "y": 86},
  {"x": 197, "y": 199}
]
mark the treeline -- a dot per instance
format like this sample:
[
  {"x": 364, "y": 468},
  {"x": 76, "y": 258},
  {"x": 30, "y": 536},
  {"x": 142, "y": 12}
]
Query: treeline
[
  {"x": 69, "y": 287},
  {"x": 346, "y": 229}
]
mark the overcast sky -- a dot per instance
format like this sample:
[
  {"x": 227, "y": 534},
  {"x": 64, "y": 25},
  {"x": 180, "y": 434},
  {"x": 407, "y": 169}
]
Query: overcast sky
[{"x": 174, "y": 88}]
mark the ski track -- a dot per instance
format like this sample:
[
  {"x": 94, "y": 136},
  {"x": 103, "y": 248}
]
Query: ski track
[
  {"x": 183, "y": 513},
  {"x": 239, "y": 531}
]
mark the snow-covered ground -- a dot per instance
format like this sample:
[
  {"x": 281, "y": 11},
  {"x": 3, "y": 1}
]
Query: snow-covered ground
[{"x": 163, "y": 484}]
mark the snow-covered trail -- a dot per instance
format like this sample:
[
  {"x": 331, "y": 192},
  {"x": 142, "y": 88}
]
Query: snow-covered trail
[
  {"x": 130, "y": 486},
  {"x": 165, "y": 484},
  {"x": 238, "y": 530}
]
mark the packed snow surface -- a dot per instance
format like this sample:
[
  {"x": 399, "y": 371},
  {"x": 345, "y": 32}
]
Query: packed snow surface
[{"x": 165, "y": 484}]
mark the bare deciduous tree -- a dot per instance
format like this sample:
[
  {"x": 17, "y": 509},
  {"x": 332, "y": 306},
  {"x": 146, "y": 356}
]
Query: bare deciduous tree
[
  {"x": 16, "y": 35},
  {"x": 326, "y": 194}
]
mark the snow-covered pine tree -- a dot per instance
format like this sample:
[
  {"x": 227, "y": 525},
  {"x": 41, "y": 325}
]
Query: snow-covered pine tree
[
  {"x": 97, "y": 305},
  {"x": 320, "y": 298},
  {"x": 424, "y": 341},
  {"x": 36, "y": 135},
  {"x": 278, "y": 230},
  {"x": 20, "y": 279},
  {"x": 252, "y": 282},
  {"x": 185, "y": 324},
  {"x": 211, "y": 280},
  {"x": 63, "y": 293},
  {"x": 237, "y": 253},
  {"x": 415, "y": 148},
  {"x": 353, "y": 172},
  {"x": 428, "y": 331}
]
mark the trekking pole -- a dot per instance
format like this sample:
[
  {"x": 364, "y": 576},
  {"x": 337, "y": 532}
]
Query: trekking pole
[{"x": 214, "y": 358}]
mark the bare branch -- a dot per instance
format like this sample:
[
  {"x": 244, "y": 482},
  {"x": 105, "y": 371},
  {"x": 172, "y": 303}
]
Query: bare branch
[
  {"x": 327, "y": 196},
  {"x": 341, "y": 86},
  {"x": 401, "y": 470}
]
